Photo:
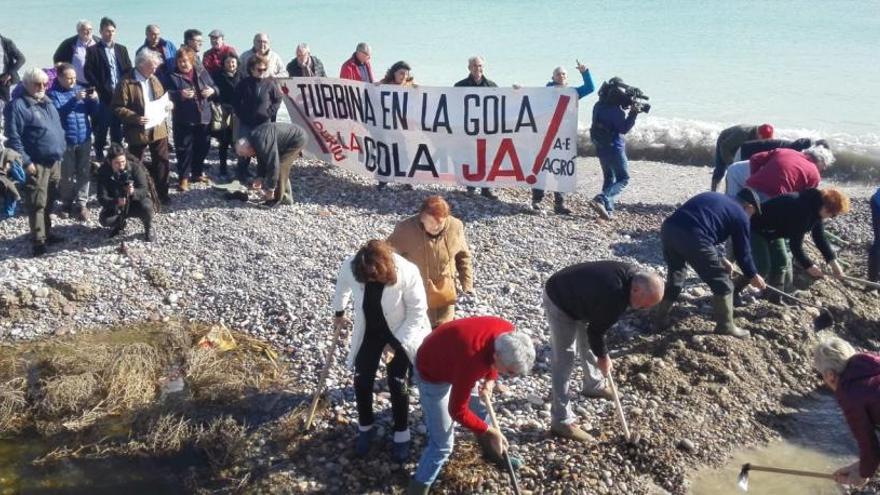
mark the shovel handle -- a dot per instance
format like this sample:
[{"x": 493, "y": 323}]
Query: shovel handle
[
  {"x": 322, "y": 380},
  {"x": 793, "y": 298},
  {"x": 619, "y": 407},
  {"x": 793, "y": 472},
  {"x": 488, "y": 401},
  {"x": 866, "y": 283}
]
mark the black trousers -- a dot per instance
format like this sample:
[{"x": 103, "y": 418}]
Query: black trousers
[
  {"x": 142, "y": 209},
  {"x": 366, "y": 363},
  {"x": 191, "y": 143},
  {"x": 681, "y": 247},
  {"x": 538, "y": 195},
  {"x": 158, "y": 166},
  {"x": 225, "y": 142}
]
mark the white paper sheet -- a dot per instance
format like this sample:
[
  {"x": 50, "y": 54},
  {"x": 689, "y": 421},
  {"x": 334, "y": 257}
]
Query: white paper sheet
[{"x": 155, "y": 111}]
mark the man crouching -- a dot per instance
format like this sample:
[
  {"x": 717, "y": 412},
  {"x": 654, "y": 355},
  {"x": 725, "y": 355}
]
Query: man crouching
[{"x": 124, "y": 191}]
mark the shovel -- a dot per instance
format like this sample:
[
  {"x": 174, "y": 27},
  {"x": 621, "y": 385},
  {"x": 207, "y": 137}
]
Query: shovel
[
  {"x": 322, "y": 380},
  {"x": 866, "y": 283},
  {"x": 619, "y": 407},
  {"x": 510, "y": 470},
  {"x": 743, "y": 480},
  {"x": 824, "y": 320}
]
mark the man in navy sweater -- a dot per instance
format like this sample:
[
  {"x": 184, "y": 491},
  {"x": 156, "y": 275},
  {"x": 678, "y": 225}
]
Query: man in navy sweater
[{"x": 694, "y": 235}]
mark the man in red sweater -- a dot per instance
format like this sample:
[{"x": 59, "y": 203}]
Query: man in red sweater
[
  {"x": 784, "y": 170},
  {"x": 357, "y": 67},
  {"x": 450, "y": 361}
]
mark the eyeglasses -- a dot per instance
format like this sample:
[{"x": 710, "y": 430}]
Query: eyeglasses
[
  {"x": 40, "y": 84},
  {"x": 261, "y": 69}
]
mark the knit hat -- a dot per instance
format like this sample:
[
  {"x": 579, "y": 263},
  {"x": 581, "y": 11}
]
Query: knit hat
[
  {"x": 749, "y": 196},
  {"x": 765, "y": 131},
  {"x": 216, "y": 34}
]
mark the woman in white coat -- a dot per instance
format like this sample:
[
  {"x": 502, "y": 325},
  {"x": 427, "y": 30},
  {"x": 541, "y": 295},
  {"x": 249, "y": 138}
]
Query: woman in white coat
[{"x": 390, "y": 308}]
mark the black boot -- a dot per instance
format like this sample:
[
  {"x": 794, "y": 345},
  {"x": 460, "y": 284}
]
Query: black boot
[{"x": 148, "y": 231}]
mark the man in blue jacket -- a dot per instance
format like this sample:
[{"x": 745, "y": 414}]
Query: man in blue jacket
[
  {"x": 34, "y": 131},
  {"x": 610, "y": 123},
  {"x": 75, "y": 105},
  {"x": 694, "y": 235},
  {"x": 560, "y": 80},
  {"x": 164, "y": 48}
]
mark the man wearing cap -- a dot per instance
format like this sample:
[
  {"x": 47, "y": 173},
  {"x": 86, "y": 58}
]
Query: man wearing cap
[
  {"x": 729, "y": 141},
  {"x": 694, "y": 235},
  {"x": 213, "y": 59}
]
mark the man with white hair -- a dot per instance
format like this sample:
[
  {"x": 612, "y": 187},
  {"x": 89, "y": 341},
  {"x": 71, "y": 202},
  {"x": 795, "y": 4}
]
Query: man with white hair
[
  {"x": 305, "y": 65},
  {"x": 357, "y": 67},
  {"x": 73, "y": 50},
  {"x": 779, "y": 171},
  {"x": 137, "y": 88},
  {"x": 34, "y": 131},
  {"x": 449, "y": 363},
  {"x": 476, "y": 79},
  {"x": 581, "y": 303},
  {"x": 262, "y": 46},
  {"x": 854, "y": 377}
]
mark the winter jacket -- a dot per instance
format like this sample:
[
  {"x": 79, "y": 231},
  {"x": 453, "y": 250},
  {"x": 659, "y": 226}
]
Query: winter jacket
[
  {"x": 858, "y": 394},
  {"x": 468, "y": 82},
  {"x": 271, "y": 141},
  {"x": 128, "y": 105},
  {"x": 168, "y": 52},
  {"x": 750, "y": 148},
  {"x": 403, "y": 303},
  {"x": 256, "y": 100},
  {"x": 97, "y": 69},
  {"x": 790, "y": 216},
  {"x": 595, "y": 292},
  {"x": 33, "y": 129},
  {"x": 730, "y": 139},
  {"x": 226, "y": 85},
  {"x": 782, "y": 171},
  {"x": 74, "y": 113},
  {"x": 584, "y": 89},
  {"x": 712, "y": 218},
  {"x": 112, "y": 185},
  {"x": 64, "y": 52},
  {"x": 462, "y": 352},
  {"x": 356, "y": 71},
  {"x": 294, "y": 69},
  {"x": 443, "y": 256},
  {"x": 213, "y": 59},
  {"x": 195, "y": 110},
  {"x": 275, "y": 65},
  {"x": 615, "y": 122},
  {"x": 13, "y": 60}
]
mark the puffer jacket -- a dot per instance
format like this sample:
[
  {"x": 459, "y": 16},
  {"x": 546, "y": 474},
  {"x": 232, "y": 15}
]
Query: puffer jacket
[
  {"x": 74, "y": 113},
  {"x": 446, "y": 255}
]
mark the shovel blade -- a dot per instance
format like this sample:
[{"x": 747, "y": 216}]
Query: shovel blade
[{"x": 742, "y": 481}]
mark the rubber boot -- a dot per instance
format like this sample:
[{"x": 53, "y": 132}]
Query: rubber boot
[
  {"x": 722, "y": 309},
  {"x": 739, "y": 283},
  {"x": 661, "y": 320},
  {"x": 416, "y": 488},
  {"x": 777, "y": 281},
  {"x": 874, "y": 267},
  {"x": 788, "y": 280}
]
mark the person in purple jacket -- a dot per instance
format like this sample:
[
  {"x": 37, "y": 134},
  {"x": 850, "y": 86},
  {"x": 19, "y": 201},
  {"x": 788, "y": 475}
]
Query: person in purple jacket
[{"x": 855, "y": 379}]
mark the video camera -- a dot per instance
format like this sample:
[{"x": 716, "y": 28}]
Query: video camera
[{"x": 616, "y": 92}]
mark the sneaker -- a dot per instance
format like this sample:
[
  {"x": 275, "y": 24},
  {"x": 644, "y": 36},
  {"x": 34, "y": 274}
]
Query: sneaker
[
  {"x": 364, "y": 442},
  {"x": 561, "y": 210},
  {"x": 400, "y": 452},
  {"x": 600, "y": 210},
  {"x": 605, "y": 393},
  {"x": 38, "y": 250},
  {"x": 570, "y": 431}
]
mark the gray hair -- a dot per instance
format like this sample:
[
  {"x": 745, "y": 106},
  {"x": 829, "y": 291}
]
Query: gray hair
[
  {"x": 475, "y": 59},
  {"x": 831, "y": 354},
  {"x": 650, "y": 282},
  {"x": 241, "y": 143},
  {"x": 362, "y": 47},
  {"x": 303, "y": 47},
  {"x": 258, "y": 35},
  {"x": 147, "y": 55},
  {"x": 83, "y": 23},
  {"x": 33, "y": 75},
  {"x": 559, "y": 70},
  {"x": 515, "y": 351},
  {"x": 820, "y": 155},
  {"x": 150, "y": 28}
]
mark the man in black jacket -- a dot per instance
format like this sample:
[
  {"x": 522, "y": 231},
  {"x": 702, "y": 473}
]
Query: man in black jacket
[
  {"x": 256, "y": 101},
  {"x": 11, "y": 59},
  {"x": 73, "y": 50},
  {"x": 581, "y": 302},
  {"x": 476, "y": 79},
  {"x": 276, "y": 146},
  {"x": 305, "y": 65},
  {"x": 106, "y": 63},
  {"x": 756, "y": 146},
  {"x": 124, "y": 191}
]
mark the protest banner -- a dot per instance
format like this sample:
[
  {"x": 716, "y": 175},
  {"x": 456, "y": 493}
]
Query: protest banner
[{"x": 484, "y": 137}]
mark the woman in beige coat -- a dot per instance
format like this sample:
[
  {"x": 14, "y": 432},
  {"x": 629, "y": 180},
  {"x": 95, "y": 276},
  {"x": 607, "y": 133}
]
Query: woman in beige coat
[{"x": 434, "y": 241}]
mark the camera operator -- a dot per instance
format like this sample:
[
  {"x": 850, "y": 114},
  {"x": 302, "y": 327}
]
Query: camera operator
[
  {"x": 124, "y": 191},
  {"x": 610, "y": 123}
]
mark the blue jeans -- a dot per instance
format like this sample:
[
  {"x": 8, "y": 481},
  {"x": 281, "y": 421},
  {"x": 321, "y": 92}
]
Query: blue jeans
[
  {"x": 615, "y": 174},
  {"x": 874, "y": 253},
  {"x": 434, "y": 399},
  {"x": 105, "y": 120}
]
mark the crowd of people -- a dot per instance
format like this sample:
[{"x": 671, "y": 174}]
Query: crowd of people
[{"x": 403, "y": 290}]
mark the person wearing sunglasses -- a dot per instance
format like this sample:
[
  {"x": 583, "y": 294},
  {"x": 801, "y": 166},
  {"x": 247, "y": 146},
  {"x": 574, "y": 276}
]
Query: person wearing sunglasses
[
  {"x": 256, "y": 102},
  {"x": 357, "y": 67}
]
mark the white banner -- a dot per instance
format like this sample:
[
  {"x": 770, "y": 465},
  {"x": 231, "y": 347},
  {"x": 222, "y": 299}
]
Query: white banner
[{"x": 486, "y": 137}]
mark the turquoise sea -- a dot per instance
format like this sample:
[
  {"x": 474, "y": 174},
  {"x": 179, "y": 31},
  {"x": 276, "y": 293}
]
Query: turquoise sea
[{"x": 809, "y": 67}]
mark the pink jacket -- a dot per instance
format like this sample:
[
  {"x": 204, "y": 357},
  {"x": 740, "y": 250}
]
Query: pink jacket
[{"x": 782, "y": 171}]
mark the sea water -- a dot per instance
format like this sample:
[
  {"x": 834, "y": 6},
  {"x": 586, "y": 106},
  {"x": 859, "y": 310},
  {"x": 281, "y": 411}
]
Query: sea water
[{"x": 808, "y": 67}]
